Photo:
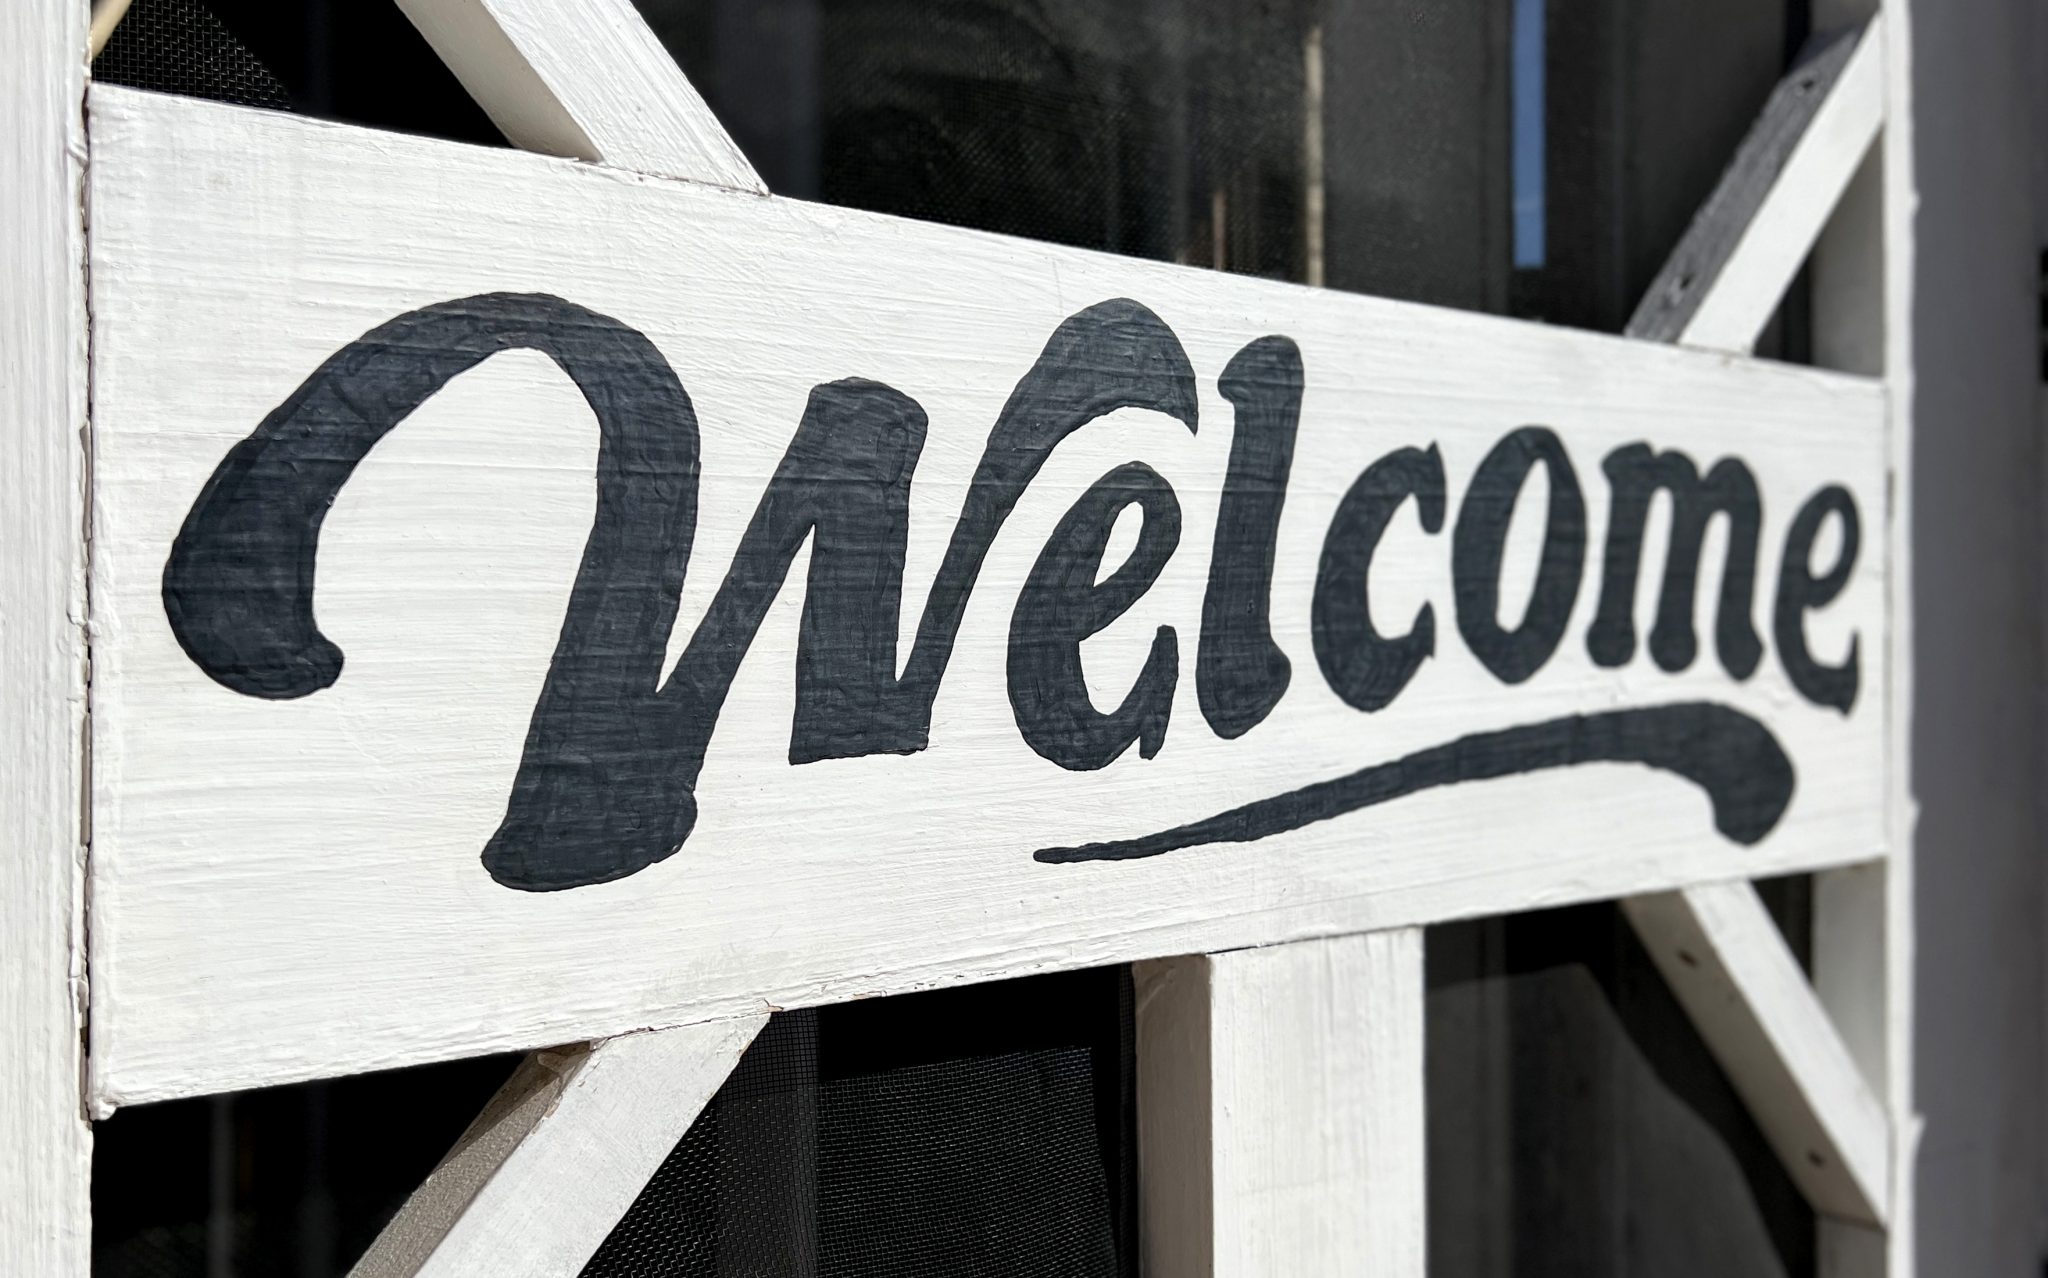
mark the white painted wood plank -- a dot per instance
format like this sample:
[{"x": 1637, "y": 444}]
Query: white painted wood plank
[
  {"x": 45, "y": 1144},
  {"x": 551, "y": 1165},
  {"x": 1317, "y": 1105},
  {"x": 1744, "y": 990},
  {"x": 1778, "y": 238},
  {"x": 585, "y": 79},
  {"x": 1280, "y": 1110},
  {"x": 337, "y": 836}
]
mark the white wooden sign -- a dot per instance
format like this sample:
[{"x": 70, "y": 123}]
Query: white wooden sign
[{"x": 533, "y": 602}]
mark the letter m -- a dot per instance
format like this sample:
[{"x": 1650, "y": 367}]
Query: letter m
[{"x": 1634, "y": 474}]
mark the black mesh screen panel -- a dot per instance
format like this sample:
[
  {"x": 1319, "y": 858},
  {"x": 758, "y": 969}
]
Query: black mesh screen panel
[
  {"x": 180, "y": 46},
  {"x": 983, "y": 1131}
]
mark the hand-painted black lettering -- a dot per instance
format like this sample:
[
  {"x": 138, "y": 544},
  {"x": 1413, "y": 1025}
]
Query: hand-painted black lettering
[
  {"x": 238, "y": 587},
  {"x": 1062, "y": 604},
  {"x": 847, "y": 476},
  {"x": 599, "y": 768},
  {"x": 1634, "y": 474},
  {"x": 1362, "y": 666},
  {"x": 1114, "y": 355},
  {"x": 1240, "y": 673},
  {"x": 1732, "y": 757},
  {"x": 606, "y": 785},
  {"x": 1480, "y": 540},
  {"x": 1800, "y": 592}
]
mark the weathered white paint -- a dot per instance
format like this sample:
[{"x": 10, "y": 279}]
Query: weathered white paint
[
  {"x": 1280, "y": 1110},
  {"x": 1778, "y": 238},
  {"x": 585, "y": 79},
  {"x": 45, "y": 1144},
  {"x": 539, "y": 1179},
  {"x": 334, "y": 839},
  {"x": 1733, "y": 973}
]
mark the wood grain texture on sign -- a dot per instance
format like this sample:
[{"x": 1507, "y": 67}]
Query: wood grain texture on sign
[{"x": 535, "y": 602}]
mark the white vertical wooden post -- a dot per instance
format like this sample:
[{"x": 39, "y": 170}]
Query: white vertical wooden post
[
  {"x": 45, "y": 1143},
  {"x": 1862, "y": 271},
  {"x": 1280, "y": 1110}
]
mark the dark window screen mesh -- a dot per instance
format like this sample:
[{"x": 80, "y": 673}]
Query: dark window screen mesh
[
  {"x": 180, "y": 46},
  {"x": 985, "y": 1130}
]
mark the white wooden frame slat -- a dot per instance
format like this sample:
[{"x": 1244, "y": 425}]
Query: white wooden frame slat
[
  {"x": 1853, "y": 930},
  {"x": 1732, "y": 971},
  {"x": 1280, "y": 1110},
  {"x": 45, "y": 1142},
  {"x": 1782, "y": 233},
  {"x": 1735, "y": 263},
  {"x": 584, "y": 79},
  {"x": 553, "y": 1162}
]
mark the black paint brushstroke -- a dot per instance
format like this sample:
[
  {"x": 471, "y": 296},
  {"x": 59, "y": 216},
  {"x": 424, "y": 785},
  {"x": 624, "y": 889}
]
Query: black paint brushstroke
[
  {"x": 1731, "y": 756},
  {"x": 1240, "y": 671},
  {"x": 607, "y": 781},
  {"x": 1063, "y": 603},
  {"x": 238, "y": 586}
]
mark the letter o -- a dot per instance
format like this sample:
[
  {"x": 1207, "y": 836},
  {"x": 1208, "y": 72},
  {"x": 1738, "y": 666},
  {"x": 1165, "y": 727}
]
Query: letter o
[{"x": 1481, "y": 541}]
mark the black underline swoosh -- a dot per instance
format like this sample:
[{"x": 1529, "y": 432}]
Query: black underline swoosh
[{"x": 1725, "y": 752}]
